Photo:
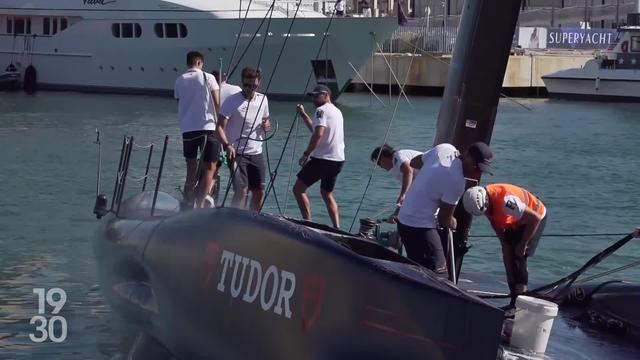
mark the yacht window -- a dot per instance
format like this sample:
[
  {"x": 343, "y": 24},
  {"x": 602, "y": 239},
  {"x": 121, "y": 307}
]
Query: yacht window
[
  {"x": 127, "y": 30},
  {"x": 115, "y": 30},
  {"x": 183, "y": 30},
  {"x": 138, "y": 30},
  {"x": 46, "y": 25},
  {"x": 171, "y": 30},
  {"x": 54, "y": 28},
  {"x": 63, "y": 23},
  {"x": 19, "y": 26},
  {"x": 28, "y": 31},
  {"x": 635, "y": 44},
  {"x": 9, "y": 25},
  {"x": 159, "y": 30}
]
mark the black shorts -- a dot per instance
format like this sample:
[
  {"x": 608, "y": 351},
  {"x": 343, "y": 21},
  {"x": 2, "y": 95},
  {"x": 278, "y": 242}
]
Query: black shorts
[
  {"x": 192, "y": 143},
  {"x": 250, "y": 172},
  {"x": 424, "y": 246},
  {"x": 320, "y": 169}
]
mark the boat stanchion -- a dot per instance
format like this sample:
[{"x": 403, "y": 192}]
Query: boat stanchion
[
  {"x": 155, "y": 192},
  {"x": 146, "y": 171},
  {"x": 452, "y": 259}
]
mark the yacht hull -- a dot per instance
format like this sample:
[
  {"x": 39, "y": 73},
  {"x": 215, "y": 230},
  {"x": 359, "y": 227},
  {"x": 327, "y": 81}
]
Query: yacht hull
[{"x": 87, "y": 57}]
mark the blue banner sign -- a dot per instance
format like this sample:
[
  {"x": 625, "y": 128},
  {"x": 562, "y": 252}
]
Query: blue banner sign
[{"x": 576, "y": 38}]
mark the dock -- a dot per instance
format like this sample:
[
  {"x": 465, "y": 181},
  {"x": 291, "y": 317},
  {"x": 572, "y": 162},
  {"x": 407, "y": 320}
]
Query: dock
[{"x": 428, "y": 73}]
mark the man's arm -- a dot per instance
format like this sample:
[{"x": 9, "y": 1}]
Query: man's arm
[
  {"x": 313, "y": 143},
  {"x": 215, "y": 96},
  {"x": 305, "y": 117},
  {"x": 531, "y": 221},
  {"x": 407, "y": 179},
  {"x": 222, "y": 136},
  {"x": 445, "y": 216}
]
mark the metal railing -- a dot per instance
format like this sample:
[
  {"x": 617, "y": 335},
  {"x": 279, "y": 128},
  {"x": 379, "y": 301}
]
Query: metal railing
[{"x": 433, "y": 39}]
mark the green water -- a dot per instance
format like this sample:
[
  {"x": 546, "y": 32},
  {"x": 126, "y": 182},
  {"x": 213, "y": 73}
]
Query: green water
[{"x": 580, "y": 158}]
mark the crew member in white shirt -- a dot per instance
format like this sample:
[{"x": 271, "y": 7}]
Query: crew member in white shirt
[
  {"x": 226, "y": 89},
  {"x": 398, "y": 164},
  {"x": 324, "y": 156},
  {"x": 340, "y": 6},
  {"x": 433, "y": 196},
  {"x": 244, "y": 121},
  {"x": 198, "y": 98}
]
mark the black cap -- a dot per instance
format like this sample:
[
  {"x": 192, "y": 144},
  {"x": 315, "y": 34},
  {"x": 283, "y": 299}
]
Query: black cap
[
  {"x": 482, "y": 155},
  {"x": 319, "y": 89}
]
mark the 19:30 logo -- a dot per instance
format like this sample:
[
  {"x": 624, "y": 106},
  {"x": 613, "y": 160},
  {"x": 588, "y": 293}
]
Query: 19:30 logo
[{"x": 53, "y": 328}]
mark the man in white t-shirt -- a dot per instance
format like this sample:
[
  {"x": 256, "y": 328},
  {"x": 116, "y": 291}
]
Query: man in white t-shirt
[
  {"x": 324, "y": 156},
  {"x": 226, "y": 89},
  {"x": 340, "y": 6},
  {"x": 398, "y": 164},
  {"x": 244, "y": 121},
  {"x": 433, "y": 196},
  {"x": 198, "y": 101}
]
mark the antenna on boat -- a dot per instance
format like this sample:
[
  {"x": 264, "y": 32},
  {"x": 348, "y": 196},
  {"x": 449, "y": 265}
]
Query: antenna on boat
[{"x": 100, "y": 206}]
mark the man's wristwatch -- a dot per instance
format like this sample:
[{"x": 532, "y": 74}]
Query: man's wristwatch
[{"x": 306, "y": 153}]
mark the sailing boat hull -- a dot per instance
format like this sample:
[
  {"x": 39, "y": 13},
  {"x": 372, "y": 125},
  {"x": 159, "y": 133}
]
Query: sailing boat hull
[{"x": 226, "y": 283}]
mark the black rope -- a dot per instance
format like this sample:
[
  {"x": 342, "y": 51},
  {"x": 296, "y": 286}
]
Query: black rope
[
  {"x": 275, "y": 194},
  {"x": 235, "y": 47},
  {"x": 253, "y": 37},
  {"x": 386, "y": 135},
  {"x": 274, "y": 175},
  {"x": 560, "y": 235}
]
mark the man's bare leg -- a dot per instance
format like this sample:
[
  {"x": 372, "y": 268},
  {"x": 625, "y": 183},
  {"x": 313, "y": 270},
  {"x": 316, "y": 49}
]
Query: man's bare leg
[
  {"x": 332, "y": 207},
  {"x": 257, "y": 196},
  {"x": 190, "y": 181},
  {"x": 299, "y": 191},
  {"x": 206, "y": 181},
  {"x": 239, "y": 198}
]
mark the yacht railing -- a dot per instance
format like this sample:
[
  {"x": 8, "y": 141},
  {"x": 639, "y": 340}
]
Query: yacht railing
[{"x": 288, "y": 7}]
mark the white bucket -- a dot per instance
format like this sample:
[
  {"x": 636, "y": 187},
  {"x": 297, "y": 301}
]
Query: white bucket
[{"x": 532, "y": 323}]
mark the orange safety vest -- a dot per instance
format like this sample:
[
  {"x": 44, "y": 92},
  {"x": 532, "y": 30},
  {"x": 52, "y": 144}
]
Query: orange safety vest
[{"x": 498, "y": 217}]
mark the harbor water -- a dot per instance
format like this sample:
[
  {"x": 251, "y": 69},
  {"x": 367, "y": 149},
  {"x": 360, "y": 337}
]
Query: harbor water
[{"x": 580, "y": 158}]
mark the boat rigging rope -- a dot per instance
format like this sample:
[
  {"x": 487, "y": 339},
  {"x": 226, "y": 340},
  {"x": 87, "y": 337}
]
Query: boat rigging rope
[
  {"x": 384, "y": 140},
  {"x": 275, "y": 67},
  {"x": 608, "y": 272},
  {"x": 293, "y": 154},
  {"x": 558, "y": 288},
  {"x": 415, "y": 47},
  {"x": 253, "y": 37},
  {"x": 235, "y": 47},
  {"x": 559, "y": 235},
  {"x": 274, "y": 175}
]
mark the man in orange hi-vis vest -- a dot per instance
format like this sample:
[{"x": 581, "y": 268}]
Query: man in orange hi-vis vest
[{"x": 518, "y": 218}]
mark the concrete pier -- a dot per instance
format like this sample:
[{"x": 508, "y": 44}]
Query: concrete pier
[{"x": 428, "y": 73}]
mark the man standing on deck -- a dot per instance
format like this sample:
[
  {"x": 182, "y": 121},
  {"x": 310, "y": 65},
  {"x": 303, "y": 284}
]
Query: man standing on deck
[
  {"x": 324, "y": 156},
  {"x": 226, "y": 89},
  {"x": 518, "y": 218},
  {"x": 244, "y": 121},
  {"x": 198, "y": 101},
  {"x": 433, "y": 197},
  {"x": 398, "y": 164}
]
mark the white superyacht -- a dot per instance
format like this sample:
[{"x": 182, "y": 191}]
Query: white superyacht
[
  {"x": 612, "y": 76},
  {"x": 139, "y": 46}
]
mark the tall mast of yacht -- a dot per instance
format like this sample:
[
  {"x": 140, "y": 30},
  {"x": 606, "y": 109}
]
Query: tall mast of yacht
[{"x": 470, "y": 101}]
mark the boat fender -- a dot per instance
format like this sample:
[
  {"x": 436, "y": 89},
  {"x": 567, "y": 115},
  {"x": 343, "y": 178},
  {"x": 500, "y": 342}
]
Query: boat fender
[
  {"x": 30, "y": 76},
  {"x": 624, "y": 46}
]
